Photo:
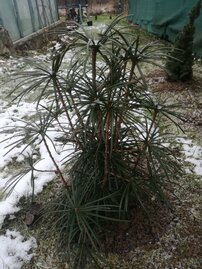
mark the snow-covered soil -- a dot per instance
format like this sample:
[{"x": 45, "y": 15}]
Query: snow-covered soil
[{"x": 16, "y": 248}]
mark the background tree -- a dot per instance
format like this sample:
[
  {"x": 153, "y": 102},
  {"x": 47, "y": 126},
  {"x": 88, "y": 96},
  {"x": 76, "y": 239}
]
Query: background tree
[{"x": 180, "y": 61}]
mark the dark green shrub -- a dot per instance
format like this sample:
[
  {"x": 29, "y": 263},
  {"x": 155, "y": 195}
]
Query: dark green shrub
[
  {"x": 180, "y": 60},
  {"x": 99, "y": 101}
]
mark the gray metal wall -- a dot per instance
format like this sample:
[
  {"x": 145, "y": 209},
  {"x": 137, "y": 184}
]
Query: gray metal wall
[{"x": 24, "y": 17}]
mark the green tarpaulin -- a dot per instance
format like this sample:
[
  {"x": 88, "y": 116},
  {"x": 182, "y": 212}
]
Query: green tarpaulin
[{"x": 165, "y": 18}]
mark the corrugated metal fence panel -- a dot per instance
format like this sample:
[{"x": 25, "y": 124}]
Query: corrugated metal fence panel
[
  {"x": 165, "y": 18},
  {"x": 47, "y": 11},
  {"x": 42, "y": 13},
  {"x": 54, "y": 9},
  {"x": 8, "y": 18},
  {"x": 35, "y": 18},
  {"x": 24, "y": 17}
]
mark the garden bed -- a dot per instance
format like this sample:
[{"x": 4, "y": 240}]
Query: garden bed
[{"x": 166, "y": 238}]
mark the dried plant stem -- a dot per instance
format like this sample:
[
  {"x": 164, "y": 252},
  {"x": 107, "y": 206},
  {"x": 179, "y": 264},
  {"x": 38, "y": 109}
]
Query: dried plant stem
[{"x": 55, "y": 164}]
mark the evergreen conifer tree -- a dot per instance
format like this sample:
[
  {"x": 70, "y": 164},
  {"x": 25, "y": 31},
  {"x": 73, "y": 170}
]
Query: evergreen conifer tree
[{"x": 180, "y": 60}]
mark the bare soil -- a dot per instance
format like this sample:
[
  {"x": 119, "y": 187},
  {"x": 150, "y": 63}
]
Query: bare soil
[
  {"x": 186, "y": 95},
  {"x": 166, "y": 238}
]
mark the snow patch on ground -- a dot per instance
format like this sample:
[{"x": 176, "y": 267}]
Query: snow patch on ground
[
  {"x": 14, "y": 250},
  {"x": 193, "y": 154}
]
